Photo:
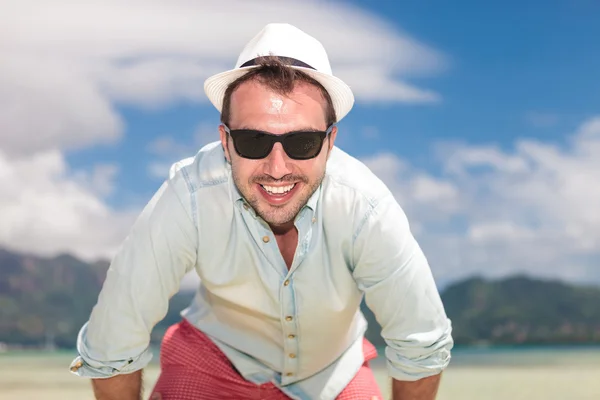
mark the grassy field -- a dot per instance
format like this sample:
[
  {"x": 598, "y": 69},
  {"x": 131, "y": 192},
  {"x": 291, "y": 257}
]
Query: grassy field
[{"x": 46, "y": 377}]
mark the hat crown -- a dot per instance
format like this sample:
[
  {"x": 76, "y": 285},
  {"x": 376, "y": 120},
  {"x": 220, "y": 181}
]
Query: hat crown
[
  {"x": 301, "y": 50},
  {"x": 285, "y": 40}
]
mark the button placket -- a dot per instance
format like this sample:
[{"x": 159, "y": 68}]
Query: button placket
[{"x": 290, "y": 340}]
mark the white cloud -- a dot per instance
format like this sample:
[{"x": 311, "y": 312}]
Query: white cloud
[
  {"x": 373, "y": 84},
  {"x": 50, "y": 103},
  {"x": 425, "y": 198},
  {"x": 463, "y": 158},
  {"x": 101, "y": 180},
  {"x": 533, "y": 209},
  {"x": 47, "y": 210},
  {"x": 154, "y": 82},
  {"x": 67, "y": 63}
]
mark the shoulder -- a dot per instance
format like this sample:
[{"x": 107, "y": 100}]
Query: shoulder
[
  {"x": 346, "y": 174},
  {"x": 352, "y": 194},
  {"x": 206, "y": 168}
]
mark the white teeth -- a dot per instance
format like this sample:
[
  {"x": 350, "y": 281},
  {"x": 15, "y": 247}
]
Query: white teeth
[{"x": 278, "y": 189}]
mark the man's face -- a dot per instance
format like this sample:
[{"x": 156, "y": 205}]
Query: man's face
[{"x": 261, "y": 182}]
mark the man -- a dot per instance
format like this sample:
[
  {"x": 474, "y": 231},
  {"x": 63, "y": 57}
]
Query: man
[{"x": 287, "y": 234}]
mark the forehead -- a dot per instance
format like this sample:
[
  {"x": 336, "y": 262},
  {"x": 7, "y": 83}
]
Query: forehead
[{"x": 253, "y": 102}]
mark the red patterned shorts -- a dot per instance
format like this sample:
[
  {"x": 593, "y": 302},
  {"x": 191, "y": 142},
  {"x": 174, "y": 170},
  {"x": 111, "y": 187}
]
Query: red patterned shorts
[{"x": 193, "y": 367}]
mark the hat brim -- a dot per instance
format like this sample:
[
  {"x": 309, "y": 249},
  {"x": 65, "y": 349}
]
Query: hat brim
[{"x": 340, "y": 93}]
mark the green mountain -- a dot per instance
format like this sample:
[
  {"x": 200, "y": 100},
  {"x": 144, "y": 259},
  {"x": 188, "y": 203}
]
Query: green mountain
[
  {"x": 523, "y": 310},
  {"x": 44, "y": 301}
]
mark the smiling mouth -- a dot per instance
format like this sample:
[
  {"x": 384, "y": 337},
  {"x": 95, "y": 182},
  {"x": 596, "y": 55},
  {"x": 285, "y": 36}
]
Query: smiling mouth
[{"x": 278, "y": 190}]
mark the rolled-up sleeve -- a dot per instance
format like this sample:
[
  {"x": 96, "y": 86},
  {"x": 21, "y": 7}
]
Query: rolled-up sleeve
[
  {"x": 393, "y": 272},
  {"x": 145, "y": 273}
]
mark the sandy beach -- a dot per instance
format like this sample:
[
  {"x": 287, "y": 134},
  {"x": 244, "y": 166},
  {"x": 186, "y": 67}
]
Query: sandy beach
[{"x": 46, "y": 377}]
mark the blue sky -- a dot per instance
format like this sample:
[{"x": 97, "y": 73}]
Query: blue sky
[{"x": 482, "y": 118}]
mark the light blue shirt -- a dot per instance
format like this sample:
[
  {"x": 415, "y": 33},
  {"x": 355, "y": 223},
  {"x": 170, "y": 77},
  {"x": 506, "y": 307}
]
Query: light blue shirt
[{"x": 300, "y": 328}]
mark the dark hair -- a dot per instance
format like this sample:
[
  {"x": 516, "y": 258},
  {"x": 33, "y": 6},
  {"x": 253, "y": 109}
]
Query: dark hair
[{"x": 274, "y": 73}]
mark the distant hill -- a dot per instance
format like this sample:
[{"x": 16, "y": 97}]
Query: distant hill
[
  {"x": 520, "y": 309},
  {"x": 45, "y": 299},
  {"x": 44, "y": 302}
]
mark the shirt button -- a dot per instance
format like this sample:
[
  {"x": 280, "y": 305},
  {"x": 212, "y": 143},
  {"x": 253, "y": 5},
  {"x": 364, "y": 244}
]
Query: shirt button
[
  {"x": 77, "y": 365},
  {"x": 292, "y": 355},
  {"x": 266, "y": 239},
  {"x": 246, "y": 206},
  {"x": 288, "y": 318},
  {"x": 289, "y": 374},
  {"x": 287, "y": 282},
  {"x": 291, "y": 336},
  {"x": 314, "y": 220}
]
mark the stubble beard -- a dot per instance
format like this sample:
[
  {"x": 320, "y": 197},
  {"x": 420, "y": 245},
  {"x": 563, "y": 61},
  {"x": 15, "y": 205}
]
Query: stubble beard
[{"x": 277, "y": 215}]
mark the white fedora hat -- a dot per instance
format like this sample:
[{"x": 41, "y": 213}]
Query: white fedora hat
[{"x": 301, "y": 50}]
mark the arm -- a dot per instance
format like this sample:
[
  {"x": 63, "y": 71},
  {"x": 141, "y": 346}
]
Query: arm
[
  {"x": 143, "y": 276},
  {"x": 394, "y": 274},
  {"x": 120, "y": 387},
  {"x": 423, "y": 389}
]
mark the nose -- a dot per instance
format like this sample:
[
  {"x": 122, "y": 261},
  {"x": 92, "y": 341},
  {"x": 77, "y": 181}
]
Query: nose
[{"x": 277, "y": 162}]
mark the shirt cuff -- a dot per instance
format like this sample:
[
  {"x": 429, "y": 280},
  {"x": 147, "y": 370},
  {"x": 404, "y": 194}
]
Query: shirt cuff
[
  {"x": 432, "y": 360},
  {"x": 85, "y": 365}
]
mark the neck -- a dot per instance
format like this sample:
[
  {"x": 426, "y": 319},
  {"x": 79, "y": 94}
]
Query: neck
[{"x": 283, "y": 228}]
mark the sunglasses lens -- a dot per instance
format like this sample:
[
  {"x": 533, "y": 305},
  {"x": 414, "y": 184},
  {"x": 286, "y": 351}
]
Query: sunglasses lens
[
  {"x": 252, "y": 145},
  {"x": 303, "y": 145}
]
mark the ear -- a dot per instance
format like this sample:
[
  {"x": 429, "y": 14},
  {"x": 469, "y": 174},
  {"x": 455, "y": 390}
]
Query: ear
[
  {"x": 331, "y": 140},
  {"x": 332, "y": 136},
  {"x": 225, "y": 143}
]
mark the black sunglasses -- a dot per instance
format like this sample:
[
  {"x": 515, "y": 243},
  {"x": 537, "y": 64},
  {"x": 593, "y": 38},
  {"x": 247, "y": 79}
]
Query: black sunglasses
[{"x": 298, "y": 145}]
